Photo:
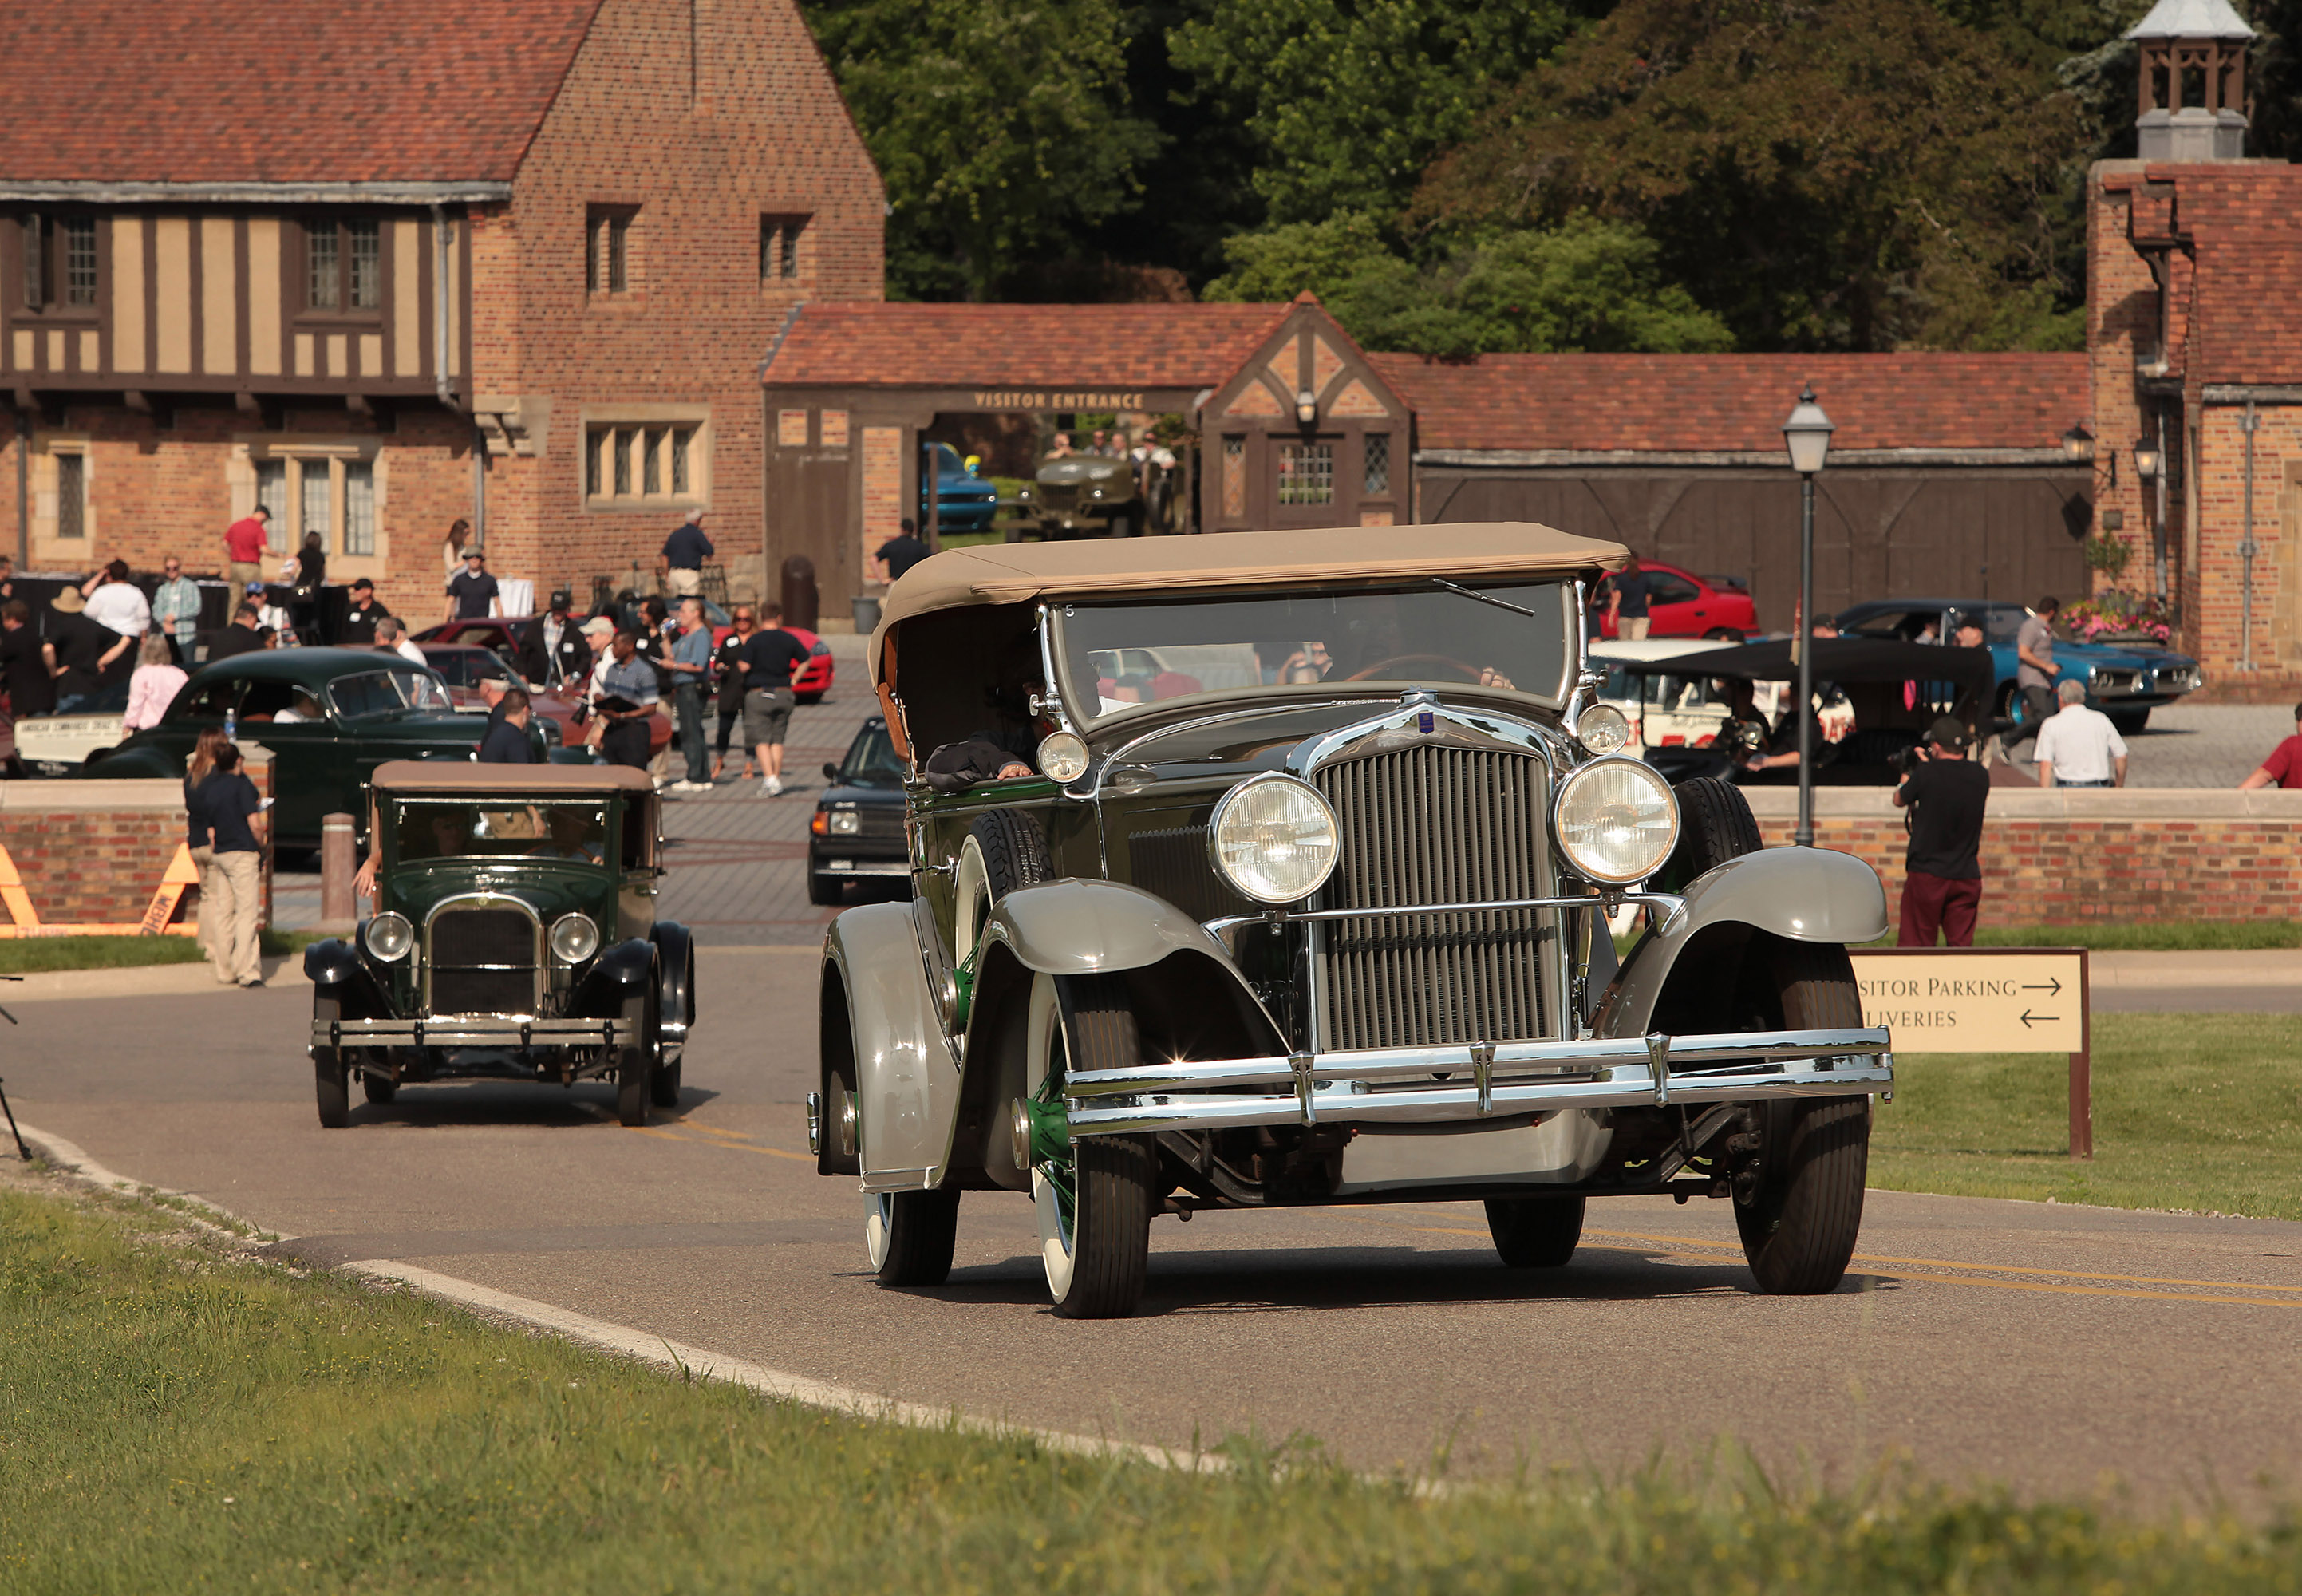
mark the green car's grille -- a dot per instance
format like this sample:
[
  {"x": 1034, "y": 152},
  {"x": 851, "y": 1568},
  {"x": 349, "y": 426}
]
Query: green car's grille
[
  {"x": 481, "y": 960},
  {"x": 1433, "y": 824}
]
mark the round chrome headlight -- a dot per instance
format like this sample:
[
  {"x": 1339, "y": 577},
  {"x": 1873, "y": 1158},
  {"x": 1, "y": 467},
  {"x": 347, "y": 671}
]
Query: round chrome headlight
[
  {"x": 389, "y": 936},
  {"x": 573, "y": 938},
  {"x": 1616, "y": 821},
  {"x": 1063, "y": 757},
  {"x": 1274, "y": 839},
  {"x": 1603, "y": 729}
]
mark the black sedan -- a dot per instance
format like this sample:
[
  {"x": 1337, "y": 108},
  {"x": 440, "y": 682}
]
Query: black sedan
[{"x": 857, "y": 833}]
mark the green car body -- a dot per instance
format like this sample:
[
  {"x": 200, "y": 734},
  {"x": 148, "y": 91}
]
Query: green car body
[
  {"x": 322, "y": 765},
  {"x": 514, "y": 937}
]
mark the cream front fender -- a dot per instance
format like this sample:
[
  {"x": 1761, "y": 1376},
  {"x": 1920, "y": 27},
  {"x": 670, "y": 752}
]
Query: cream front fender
[
  {"x": 906, "y": 1075},
  {"x": 1080, "y": 927},
  {"x": 1805, "y": 894}
]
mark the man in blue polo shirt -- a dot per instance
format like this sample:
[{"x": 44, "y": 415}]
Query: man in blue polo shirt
[{"x": 681, "y": 564}]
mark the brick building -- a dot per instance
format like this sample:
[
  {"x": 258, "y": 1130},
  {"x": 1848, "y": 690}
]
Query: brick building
[
  {"x": 512, "y": 261},
  {"x": 2195, "y": 346}
]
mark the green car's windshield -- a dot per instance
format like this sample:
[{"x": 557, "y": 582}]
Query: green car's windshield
[
  {"x": 430, "y": 828},
  {"x": 1117, "y": 656},
  {"x": 368, "y": 693},
  {"x": 872, "y": 760}
]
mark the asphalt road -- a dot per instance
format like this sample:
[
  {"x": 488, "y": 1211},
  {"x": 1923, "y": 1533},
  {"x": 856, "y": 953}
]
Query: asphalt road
[
  {"x": 2055, "y": 1348},
  {"x": 2052, "y": 1347}
]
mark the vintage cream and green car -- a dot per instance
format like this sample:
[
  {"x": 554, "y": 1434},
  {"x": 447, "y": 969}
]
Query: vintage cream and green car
[{"x": 1268, "y": 868}]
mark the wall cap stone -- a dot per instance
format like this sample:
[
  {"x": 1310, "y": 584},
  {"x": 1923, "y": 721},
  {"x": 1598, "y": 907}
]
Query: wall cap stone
[
  {"x": 69, "y": 796},
  {"x": 2050, "y": 803}
]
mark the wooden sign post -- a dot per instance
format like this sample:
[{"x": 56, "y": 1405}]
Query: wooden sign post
[{"x": 1987, "y": 1000}]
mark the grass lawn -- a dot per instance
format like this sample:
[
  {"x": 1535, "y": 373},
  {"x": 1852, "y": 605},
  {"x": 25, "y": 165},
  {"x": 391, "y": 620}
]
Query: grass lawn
[
  {"x": 179, "y": 1417},
  {"x": 2190, "y": 1111},
  {"x": 2142, "y": 935},
  {"x": 30, "y": 956}
]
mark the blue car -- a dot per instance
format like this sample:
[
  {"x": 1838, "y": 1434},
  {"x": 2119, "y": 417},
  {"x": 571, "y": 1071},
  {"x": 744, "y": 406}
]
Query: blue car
[
  {"x": 2125, "y": 681},
  {"x": 964, "y": 502}
]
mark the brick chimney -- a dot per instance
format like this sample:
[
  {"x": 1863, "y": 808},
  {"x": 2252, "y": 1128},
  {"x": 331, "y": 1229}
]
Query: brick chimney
[{"x": 2193, "y": 89}]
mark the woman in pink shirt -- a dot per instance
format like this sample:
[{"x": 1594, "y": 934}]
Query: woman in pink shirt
[{"x": 153, "y": 688}]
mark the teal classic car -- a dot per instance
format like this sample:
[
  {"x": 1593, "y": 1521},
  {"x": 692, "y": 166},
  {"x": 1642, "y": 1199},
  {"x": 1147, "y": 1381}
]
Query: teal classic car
[
  {"x": 330, "y": 717},
  {"x": 513, "y": 937}
]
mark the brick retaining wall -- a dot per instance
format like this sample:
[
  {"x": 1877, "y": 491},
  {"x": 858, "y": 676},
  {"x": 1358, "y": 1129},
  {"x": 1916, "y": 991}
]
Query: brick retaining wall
[{"x": 2064, "y": 857}]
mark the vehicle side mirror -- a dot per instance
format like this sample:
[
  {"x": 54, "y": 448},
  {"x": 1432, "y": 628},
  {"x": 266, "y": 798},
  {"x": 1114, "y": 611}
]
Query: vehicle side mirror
[{"x": 831, "y": 771}]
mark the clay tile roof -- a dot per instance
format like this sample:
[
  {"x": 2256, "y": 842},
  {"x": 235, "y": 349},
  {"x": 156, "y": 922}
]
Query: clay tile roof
[
  {"x": 1736, "y": 403},
  {"x": 2244, "y": 311},
  {"x": 279, "y": 90},
  {"x": 1018, "y": 345}
]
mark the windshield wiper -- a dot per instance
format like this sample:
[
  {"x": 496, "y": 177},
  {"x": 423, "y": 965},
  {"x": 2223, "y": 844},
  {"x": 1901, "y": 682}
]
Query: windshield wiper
[{"x": 1473, "y": 592}]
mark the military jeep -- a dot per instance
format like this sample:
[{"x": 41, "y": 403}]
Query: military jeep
[
  {"x": 513, "y": 937},
  {"x": 1272, "y": 869},
  {"x": 1083, "y": 496}
]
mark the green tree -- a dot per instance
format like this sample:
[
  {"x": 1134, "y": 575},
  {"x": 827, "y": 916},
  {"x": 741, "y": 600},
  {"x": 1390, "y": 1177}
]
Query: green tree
[
  {"x": 1347, "y": 101},
  {"x": 1857, "y": 174},
  {"x": 1000, "y": 126},
  {"x": 1585, "y": 285}
]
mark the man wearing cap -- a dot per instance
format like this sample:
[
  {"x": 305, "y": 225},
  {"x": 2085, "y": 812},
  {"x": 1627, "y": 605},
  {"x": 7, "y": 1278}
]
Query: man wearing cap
[
  {"x": 1945, "y": 793},
  {"x": 360, "y": 617},
  {"x": 552, "y": 651},
  {"x": 82, "y": 652},
  {"x": 681, "y": 563},
  {"x": 472, "y": 592}
]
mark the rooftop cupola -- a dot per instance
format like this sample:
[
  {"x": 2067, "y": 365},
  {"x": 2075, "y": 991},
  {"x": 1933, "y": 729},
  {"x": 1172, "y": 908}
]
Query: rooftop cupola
[{"x": 2194, "y": 102}]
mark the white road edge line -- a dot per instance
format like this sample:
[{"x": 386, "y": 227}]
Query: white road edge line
[
  {"x": 679, "y": 1358},
  {"x": 676, "y": 1357}
]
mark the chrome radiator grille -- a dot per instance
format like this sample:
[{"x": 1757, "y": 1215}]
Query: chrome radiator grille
[
  {"x": 1433, "y": 825},
  {"x": 481, "y": 960}
]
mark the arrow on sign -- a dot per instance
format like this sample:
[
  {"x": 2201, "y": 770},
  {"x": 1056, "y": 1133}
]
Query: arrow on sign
[
  {"x": 2042, "y": 1019},
  {"x": 2052, "y": 989}
]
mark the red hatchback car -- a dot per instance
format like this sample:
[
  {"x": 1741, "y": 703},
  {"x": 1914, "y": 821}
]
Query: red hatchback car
[
  {"x": 1682, "y": 604},
  {"x": 501, "y": 633}
]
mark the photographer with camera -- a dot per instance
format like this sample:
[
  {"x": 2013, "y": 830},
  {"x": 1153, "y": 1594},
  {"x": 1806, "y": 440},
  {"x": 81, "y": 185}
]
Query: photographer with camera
[{"x": 1945, "y": 793}]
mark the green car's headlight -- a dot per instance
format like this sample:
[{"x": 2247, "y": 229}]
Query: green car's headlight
[
  {"x": 573, "y": 938},
  {"x": 1274, "y": 839},
  {"x": 1617, "y": 820},
  {"x": 389, "y": 937}
]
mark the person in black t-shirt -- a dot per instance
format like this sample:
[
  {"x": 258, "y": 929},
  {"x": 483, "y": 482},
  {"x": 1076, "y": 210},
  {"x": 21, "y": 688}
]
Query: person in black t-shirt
[
  {"x": 506, "y": 742},
  {"x": 85, "y": 653},
  {"x": 360, "y": 615},
  {"x": 770, "y": 658},
  {"x": 1946, "y": 794},
  {"x": 900, "y": 553},
  {"x": 23, "y": 666},
  {"x": 473, "y": 594},
  {"x": 226, "y": 823},
  {"x": 240, "y": 637}
]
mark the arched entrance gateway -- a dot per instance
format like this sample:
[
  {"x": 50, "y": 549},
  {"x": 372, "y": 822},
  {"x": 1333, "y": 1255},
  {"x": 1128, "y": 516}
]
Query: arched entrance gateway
[{"x": 1949, "y": 473}]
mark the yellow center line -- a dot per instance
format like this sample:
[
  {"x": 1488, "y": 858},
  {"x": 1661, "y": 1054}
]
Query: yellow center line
[
  {"x": 1921, "y": 1268},
  {"x": 681, "y": 1133}
]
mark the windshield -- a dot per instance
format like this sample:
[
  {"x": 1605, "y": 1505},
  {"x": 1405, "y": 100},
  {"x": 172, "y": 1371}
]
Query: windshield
[
  {"x": 374, "y": 692},
  {"x": 430, "y": 828},
  {"x": 1117, "y": 656},
  {"x": 872, "y": 760}
]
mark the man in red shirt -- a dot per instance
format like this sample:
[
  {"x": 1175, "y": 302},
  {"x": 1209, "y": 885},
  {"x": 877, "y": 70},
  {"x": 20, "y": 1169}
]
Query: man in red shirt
[
  {"x": 2283, "y": 768},
  {"x": 245, "y": 543}
]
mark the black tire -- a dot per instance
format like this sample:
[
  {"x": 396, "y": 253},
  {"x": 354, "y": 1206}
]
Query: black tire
[
  {"x": 329, "y": 1083},
  {"x": 1801, "y": 1215},
  {"x": 1723, "y": 635},
  {"x": 824, "y": 890},
  {"x": 2129, "y": 722},
  {"x": 378, "y": 1087},
  {"x": 1113, "y": 1195},
  {"x": 807, "y": 698},
  {"x": 1536, "y": 1232},
  {"x": 1014, "y": 851},
  {"x": 1121, "y": 526},
  {"x": 922, "y": 1227},
  {"x": 635, "y": 1069},
  {"x": 1714, "y": 824},
  {"x": 663, "y": 1084}
]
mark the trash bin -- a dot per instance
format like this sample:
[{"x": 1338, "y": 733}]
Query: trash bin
[{"x": 867, "y": 614}]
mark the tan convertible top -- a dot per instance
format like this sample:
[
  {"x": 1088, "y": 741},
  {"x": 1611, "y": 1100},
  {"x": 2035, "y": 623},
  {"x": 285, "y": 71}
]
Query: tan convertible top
[
  {"x": 1018, "y": 573},
  {"x": 543, "y": 781}
]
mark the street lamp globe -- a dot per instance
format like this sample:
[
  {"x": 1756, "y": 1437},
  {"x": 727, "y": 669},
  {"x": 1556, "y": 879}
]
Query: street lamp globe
[
  {"x": 1307, "y": 406},
  {"x": 2146, "y": 459},
  {"x": 1807, "y": 434},
  {"x": 2077, "y": 443}
]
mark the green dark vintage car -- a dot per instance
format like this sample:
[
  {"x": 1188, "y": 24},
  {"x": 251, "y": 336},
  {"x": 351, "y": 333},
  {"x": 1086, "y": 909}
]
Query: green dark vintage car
[
  {"x": 1274, "y": 869},
  {"x": 513, "y": 937},
  {"x": 328, "y": 716}
]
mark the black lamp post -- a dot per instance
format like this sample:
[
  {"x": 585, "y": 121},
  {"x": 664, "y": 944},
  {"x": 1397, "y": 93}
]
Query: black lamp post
[{"x": 1807, "y": 435}]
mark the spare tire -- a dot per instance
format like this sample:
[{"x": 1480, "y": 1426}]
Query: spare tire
[
  {"x": 1004, "y": 850},
  {"x": 1714, "y": 824}
]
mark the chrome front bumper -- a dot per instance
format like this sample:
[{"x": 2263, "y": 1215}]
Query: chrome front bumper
[
  {"x": 474, "y": 1030},
  {"x": 1503, "y": 1078}
]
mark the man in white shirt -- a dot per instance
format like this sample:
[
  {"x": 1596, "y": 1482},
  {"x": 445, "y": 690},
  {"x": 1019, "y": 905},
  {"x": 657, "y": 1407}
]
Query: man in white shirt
[
  {"x": 115, "y": 602},
  {"x": 389, "y": 635},
  {"x": 2078, "y": 747}
]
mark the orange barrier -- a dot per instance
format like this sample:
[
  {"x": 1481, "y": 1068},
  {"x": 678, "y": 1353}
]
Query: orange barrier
[{"x": 180, "y": 873}]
